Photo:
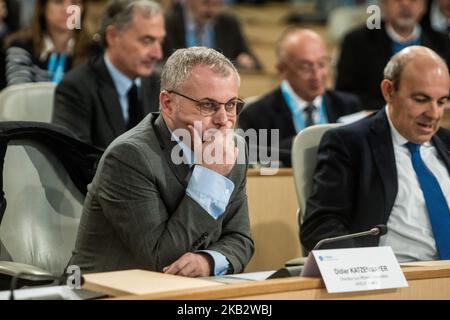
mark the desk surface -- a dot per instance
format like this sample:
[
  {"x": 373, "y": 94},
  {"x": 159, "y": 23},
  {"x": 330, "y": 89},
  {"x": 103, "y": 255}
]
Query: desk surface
[{"x": 424, "y": 282}]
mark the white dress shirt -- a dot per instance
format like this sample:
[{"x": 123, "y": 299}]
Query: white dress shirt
[{"x": 409, "y": 230}]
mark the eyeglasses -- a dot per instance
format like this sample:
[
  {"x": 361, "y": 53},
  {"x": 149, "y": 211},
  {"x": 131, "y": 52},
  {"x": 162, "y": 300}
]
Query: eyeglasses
[{"x": 208, "y": 107}]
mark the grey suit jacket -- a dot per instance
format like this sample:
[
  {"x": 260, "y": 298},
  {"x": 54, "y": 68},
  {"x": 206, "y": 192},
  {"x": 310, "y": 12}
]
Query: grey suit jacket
[
  {"x": 87, "y": 103},
  {"x": 137, "y": 213}
]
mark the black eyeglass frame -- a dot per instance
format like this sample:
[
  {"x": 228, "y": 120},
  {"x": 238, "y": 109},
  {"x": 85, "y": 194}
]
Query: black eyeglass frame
[{"x": 209, "y": 111}]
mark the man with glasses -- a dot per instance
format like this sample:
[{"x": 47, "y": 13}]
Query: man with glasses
[
  {"x": 146, "y": 209},
  {"x": 111, "y": 93},
  {"x": 302, "y": 99}
]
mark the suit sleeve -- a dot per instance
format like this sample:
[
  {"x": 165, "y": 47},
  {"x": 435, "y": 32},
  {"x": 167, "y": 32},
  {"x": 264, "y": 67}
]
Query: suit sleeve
[
  {"x": 131, "y": 200},
  {"x": 72, "y": 109},
  {"x": 329, "y": 208},
  {"x": 235, "y": 242}
]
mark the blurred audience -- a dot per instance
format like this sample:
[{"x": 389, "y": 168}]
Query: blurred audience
[
  {"x": 302, "y": 99},
  {"x": 365, "y": 51},
  {"x": 9, "y": 17},
  {"x": 203, "y": 23},
  {"x": 48, "y": 48},
  {"x": 438, "y": 16},
  {"x": 9, "y": 23},
  {"x": 112, "y": 92}
]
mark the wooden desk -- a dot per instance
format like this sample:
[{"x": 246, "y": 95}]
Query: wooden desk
[
  {"x": 273, "y": 219},
  {"x": 424, "y": 283}
]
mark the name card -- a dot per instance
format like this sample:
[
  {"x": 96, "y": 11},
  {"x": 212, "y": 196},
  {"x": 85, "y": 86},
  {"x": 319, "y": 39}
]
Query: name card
[{"x": 356, "y": 269}]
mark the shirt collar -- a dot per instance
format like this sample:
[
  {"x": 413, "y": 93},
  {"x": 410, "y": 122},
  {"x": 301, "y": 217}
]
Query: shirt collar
[
  {"x": 397, "y": 138},
  {"x": 121, "y": 81},
  {"x": 301, "y": 103},
  {"x": 49, "y": 47},
  {"x": 415, "y": 35}
]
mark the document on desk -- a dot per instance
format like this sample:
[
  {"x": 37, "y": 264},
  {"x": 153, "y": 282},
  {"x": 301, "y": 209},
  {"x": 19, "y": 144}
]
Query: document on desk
[
  {"x": 128, "y": 282},
  {"x": 242, "y": 277}
]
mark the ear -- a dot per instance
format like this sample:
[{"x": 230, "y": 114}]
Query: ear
[
  {"x": 111, "y": 33},
  {"x": 165, "y": 103},
  {"x": 281, "y": 67},
  {"x": 387, "y": 89}
]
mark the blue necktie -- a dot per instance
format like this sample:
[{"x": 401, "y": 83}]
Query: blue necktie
[{"x": 437, "y": 207}]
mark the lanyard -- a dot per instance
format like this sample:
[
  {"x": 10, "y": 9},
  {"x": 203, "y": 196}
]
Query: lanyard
[
  {"x": 297, "y": 116},
  {"x": 56, "y": 66}
]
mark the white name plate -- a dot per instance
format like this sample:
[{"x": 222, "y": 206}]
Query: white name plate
[{"x": 356, "y": 269}]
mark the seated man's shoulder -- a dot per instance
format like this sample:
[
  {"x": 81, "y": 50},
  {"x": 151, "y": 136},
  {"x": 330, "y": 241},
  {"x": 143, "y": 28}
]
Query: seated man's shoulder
[
  {"x": 362, "y": 35},
  {"x": 356, "y": 131},
  {"x": 84, "y": 75},
  {"x": 266, "y": 101},
  {"x": 444, "y": 135}
]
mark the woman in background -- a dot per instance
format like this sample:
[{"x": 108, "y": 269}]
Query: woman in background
[{"x": 50, "y": 46}]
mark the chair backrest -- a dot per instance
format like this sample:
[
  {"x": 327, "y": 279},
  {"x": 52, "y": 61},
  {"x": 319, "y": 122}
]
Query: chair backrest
[
  {"x": 304, "y": 158},
  {"x": 43, "y": 210},
  {"x": 27, "y": 102}
]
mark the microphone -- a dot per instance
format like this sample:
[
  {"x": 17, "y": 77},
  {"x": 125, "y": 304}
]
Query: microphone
[{"x": 378, "y": 230}]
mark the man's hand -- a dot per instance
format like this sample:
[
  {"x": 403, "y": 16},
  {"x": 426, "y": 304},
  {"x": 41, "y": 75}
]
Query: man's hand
[
  {"x": 190, "y": 265},
  {"x": 218, "y": 150}
]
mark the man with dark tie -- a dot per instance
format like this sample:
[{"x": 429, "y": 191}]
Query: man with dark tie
[
  {"x": 302, "y": 99},
  {"x": 390, "y": 168},
  {"x": 112, "y": 92}
]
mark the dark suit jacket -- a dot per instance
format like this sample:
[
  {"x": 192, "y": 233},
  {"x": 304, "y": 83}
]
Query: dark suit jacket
[
  {"x": 272, "y": 112},
  {"x": 355, "y": 182},
  {"x": 229, "y": 38},
  {"x": 87, "y": 103},
  {"x": 365, "y": 53},
  {"x": 137, "y": 213}
]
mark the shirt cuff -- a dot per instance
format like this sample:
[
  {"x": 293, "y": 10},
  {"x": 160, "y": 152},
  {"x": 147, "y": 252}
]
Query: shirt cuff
[
  {"x": 221, "y": 263},
  {"x": 210, "y": 190}
]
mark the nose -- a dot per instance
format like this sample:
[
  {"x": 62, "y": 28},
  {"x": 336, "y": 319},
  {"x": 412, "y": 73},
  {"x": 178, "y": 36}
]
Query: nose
[
  {"x": 435, "y": 111},
  {"x": 156, "y": 51},
  {"x": 220, "y": 117}
]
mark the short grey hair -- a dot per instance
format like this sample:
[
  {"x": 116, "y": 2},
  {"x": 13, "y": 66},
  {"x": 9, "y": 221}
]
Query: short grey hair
[
  {"x": 396, "y": 65},
  {"x": 120, "y": 13},
  {"x": 179, "y": 66}
]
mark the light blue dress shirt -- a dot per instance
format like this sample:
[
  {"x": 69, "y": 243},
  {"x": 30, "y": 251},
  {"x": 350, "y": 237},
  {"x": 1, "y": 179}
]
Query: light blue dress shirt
[
  {"x": 206, "y": 38},
  {"x": 213, "y": 199},
  {"x": 298, "y": 105},
  {"x": 123, "y": 85}
]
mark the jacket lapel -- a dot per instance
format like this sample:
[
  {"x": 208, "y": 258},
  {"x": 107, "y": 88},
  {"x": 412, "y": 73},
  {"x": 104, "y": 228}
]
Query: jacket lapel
[
  {"x": 330, "y": 111},
  {"x": 283, "y": 116},
  {"x": 382, "y": 149},
  {"x": 181, "y": 171},
  {"x": 442, "y": 149},
  {"x": 112, "y": 110}
]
